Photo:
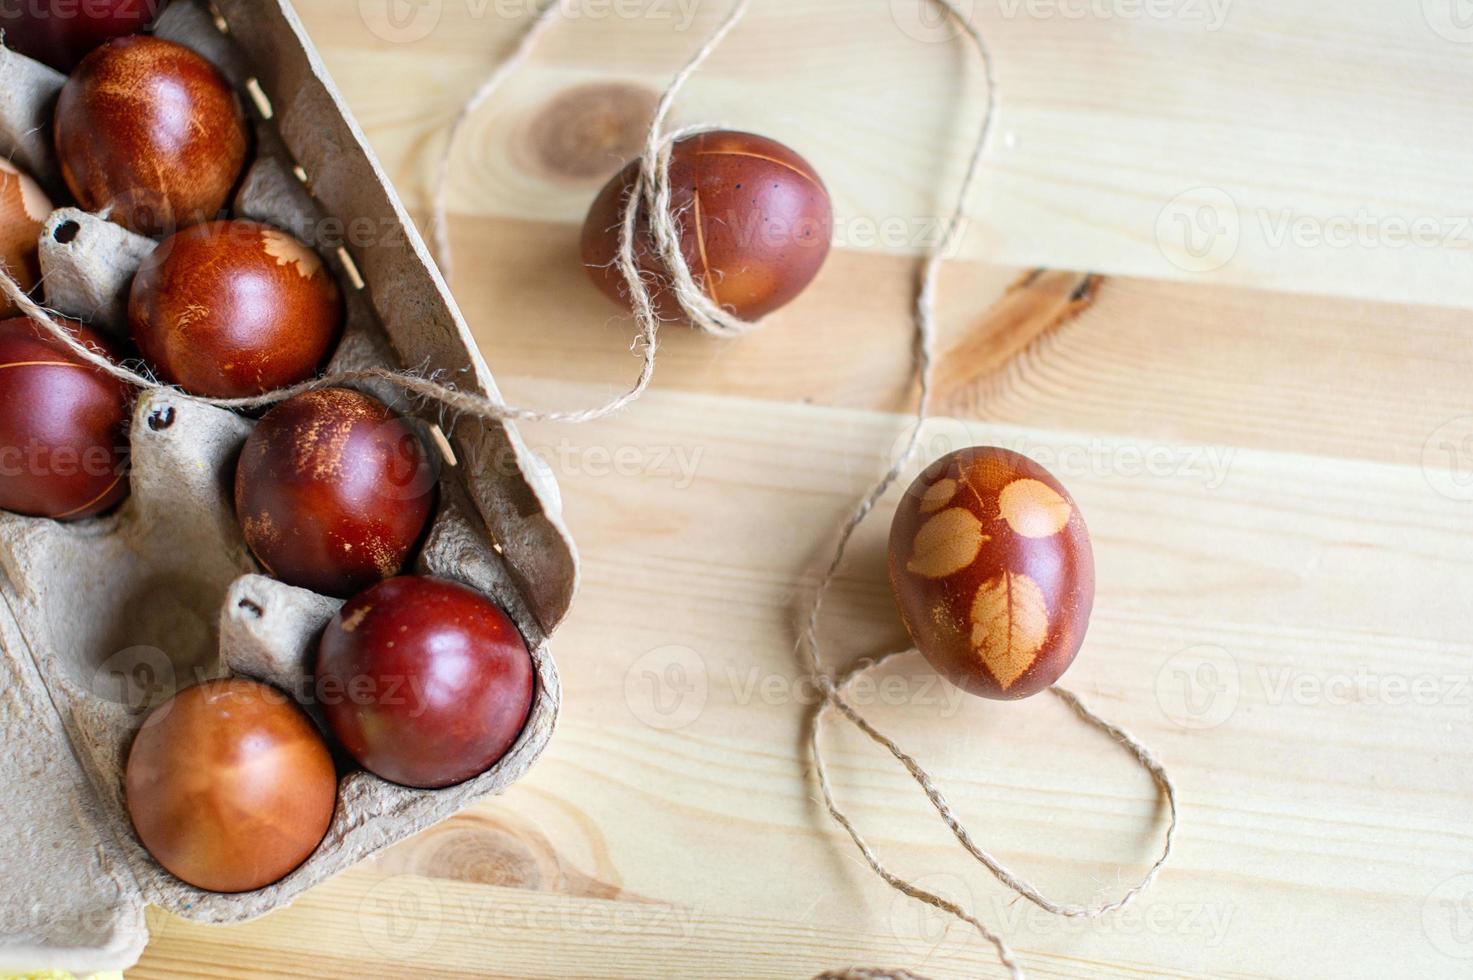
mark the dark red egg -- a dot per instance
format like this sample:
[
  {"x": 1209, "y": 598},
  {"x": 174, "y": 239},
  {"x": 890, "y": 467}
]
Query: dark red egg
[
  {"x": 63, "y": 426},
  {"x": 992, "y": 570},
  {"x": 333, "y": 490},
  {"x": 755, "y": 222},
  {"x": 229, "y": 785},
  {"x": 232, "y": 309},
  {"x": 424, "y": 681},
  {"x": 61, "y": 32},
  {"x": 151, "y": 133},
  {"x": 24, "y": 209}
]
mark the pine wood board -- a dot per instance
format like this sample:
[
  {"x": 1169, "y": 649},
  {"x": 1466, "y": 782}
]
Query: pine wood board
[{"x": 1298, "y": 549}]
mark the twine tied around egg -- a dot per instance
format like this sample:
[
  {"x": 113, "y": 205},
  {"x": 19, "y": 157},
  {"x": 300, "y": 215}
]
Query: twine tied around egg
[{"x": 652, "y": 192}]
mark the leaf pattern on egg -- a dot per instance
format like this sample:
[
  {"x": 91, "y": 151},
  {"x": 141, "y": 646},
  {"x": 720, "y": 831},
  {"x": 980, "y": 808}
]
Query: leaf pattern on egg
[
  {"x": 1009, "y": 625},
  {"x": 946, "y": 544},
  {"x": 938, "y": 495},
  {"x": 1033, "y": 509}
]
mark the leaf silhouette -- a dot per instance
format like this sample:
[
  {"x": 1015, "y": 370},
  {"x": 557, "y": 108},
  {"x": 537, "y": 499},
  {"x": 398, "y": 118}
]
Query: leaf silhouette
[
  {"x": 1009, "y": 625},
  {"x": 1033, "y": 508},
  {"x": 946, "y": 544},
  {"x": 938, "y": 495}
]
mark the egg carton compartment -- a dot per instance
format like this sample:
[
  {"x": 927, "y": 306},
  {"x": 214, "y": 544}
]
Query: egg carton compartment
[{"x": 104, "y": 618}]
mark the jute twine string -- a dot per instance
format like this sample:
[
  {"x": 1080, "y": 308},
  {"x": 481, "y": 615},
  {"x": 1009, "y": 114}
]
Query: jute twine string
[
  {"x": 832, "y": 688},
  {"x": 652, "y": 189}
]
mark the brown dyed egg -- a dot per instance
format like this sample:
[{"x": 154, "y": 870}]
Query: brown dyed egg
[
  {"x": 231, "y": 309},
  {"x": 333, "y": 490},
  {"x": 63, "y": 425},
  {"x": 152, "y": 133},
  {"x": 229, "y": 785},
  {"x": 24, "y": 209},
  {"x": 426, "y": 682},
  {"x": 755, "y": 222},
  {"x": 992, "y": 570}
]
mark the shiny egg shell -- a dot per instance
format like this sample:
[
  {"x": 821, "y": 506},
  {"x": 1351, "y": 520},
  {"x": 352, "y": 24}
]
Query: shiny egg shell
[
  {"x": 992, "y": 569},
  {"x": 424, "y": 681},
  {"x": 231, "y": 309},
  {"x": 151, "y": 133},
  {"x": 229, "y": 785},
  {"x": 755, "y": 223},
  {"x": 333, "y": 490},
  {"x": 63, "y": 425}
]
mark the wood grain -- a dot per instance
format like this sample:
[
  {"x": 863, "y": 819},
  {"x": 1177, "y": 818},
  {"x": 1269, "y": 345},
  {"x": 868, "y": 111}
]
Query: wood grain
[{"x": 1267, "y": 454}]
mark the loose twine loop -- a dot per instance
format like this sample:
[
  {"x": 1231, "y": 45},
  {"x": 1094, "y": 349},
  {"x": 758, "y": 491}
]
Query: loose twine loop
[
  {"x": 833, "y": 687},
  {"x": 652, "y": 190}
]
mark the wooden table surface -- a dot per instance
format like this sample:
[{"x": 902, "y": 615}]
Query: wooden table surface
[{"x": 1264, "y": 407}]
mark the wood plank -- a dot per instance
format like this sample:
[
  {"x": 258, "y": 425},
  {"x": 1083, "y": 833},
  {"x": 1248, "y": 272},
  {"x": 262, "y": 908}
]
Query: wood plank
[{"x": 1151, "y": 359}]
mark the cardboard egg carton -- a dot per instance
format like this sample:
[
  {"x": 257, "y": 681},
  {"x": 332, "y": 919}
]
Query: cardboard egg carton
[{"x": 99, "y": 620}]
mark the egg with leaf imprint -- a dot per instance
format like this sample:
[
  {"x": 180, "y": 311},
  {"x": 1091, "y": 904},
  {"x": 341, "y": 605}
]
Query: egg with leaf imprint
[{"x": 993, "y": 572}]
